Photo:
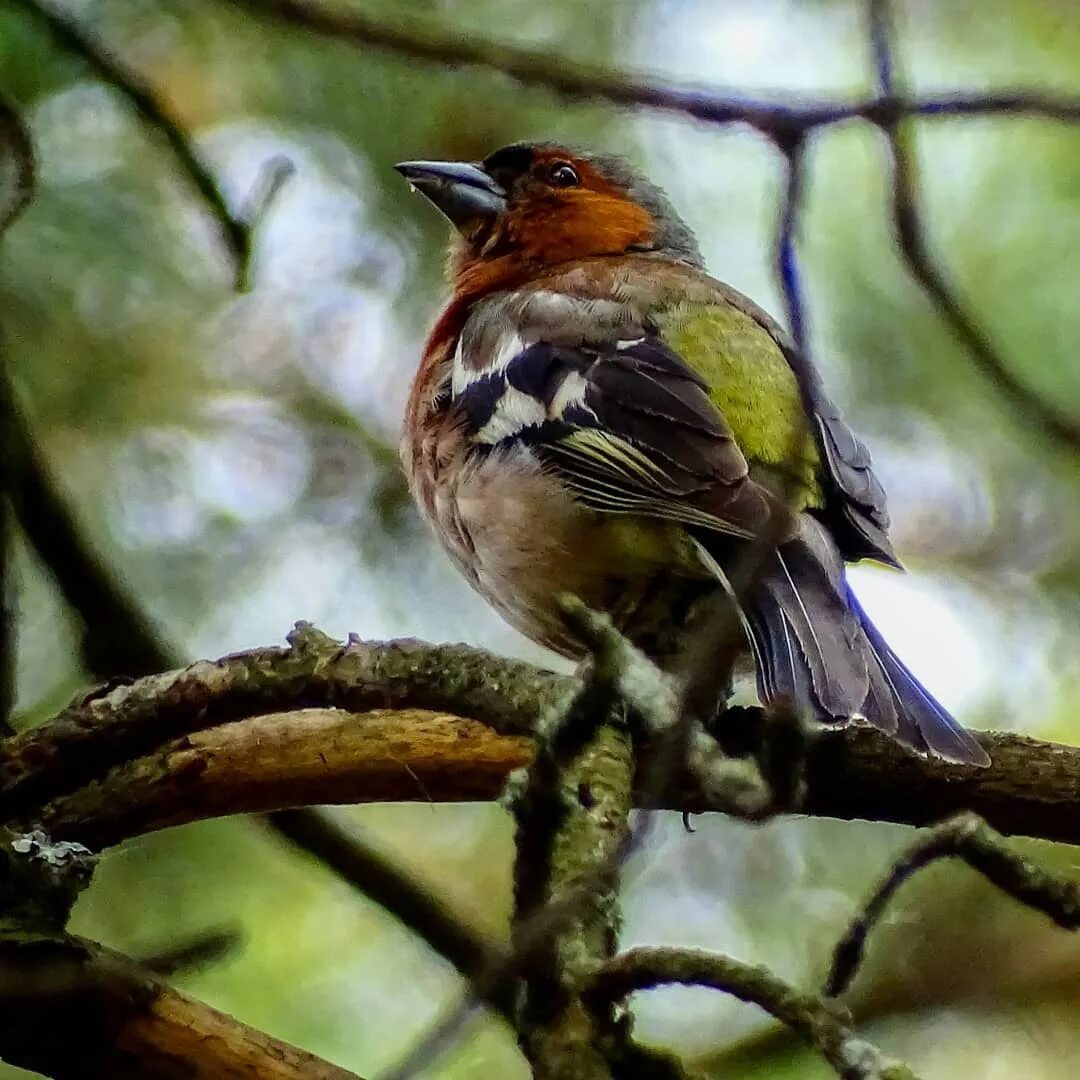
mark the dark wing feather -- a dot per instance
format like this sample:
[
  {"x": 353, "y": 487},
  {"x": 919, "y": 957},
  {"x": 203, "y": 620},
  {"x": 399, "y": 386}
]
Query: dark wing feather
[
  {"x": 629, "y": 428},
  {"x": 647, "y": 395},
  {"x": 854, "y": 498}
]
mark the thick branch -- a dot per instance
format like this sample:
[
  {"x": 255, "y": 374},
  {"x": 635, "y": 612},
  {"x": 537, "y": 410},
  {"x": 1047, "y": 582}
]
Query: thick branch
[
  {"x": 1032, "y": 788},
  {"x": 560, "y": 1036},
  {"x": 97, "y": 733},
  {"x": 317, "y": 756},
  {"x": 198, "y": 743},
  {"x": 572, "y": 815},
  {"x": 73, "y": 1009}
]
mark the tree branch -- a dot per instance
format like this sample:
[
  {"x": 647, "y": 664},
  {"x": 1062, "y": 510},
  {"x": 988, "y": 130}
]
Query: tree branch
[
  {"x": 18, "y": 170},
  {"x": 117, "y": 638},
  {"x": 534, "y": 67},
  {"x": 785, "y": 123},
  {"x": 7, "y": 551},
  {"x": 265, "y": 763},
  {"x": 968, "y": 838},
  {"x": 199, "y": 743},
  {"x": 645, "y": 968},
  {"x": 73, "y": 1009},
  {"x": 17, "y": 163},
  {"x": 193, "y": 953},
  {"x": 571, "y": 810},
  {"x": 73, "y": 38},
  {"x": 559, "y": 1035},
  {"x": 907, "y": 222},
  {"x": 314, "y": 671},
  {"x": 381, "y": 881}
]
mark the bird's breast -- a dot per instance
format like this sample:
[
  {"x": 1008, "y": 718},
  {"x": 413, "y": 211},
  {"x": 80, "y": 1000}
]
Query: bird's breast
[{"x": 521, "y": 539}]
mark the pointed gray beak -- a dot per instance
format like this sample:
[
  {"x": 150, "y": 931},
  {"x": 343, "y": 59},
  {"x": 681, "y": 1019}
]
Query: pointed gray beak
[{"x": 460, "y": 191}]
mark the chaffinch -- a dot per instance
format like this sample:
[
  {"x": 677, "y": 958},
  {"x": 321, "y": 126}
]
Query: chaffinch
[{"x": 595, "y": 414}]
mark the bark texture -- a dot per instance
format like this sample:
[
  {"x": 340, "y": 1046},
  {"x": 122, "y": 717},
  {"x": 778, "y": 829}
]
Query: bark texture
[
  {"x": 282, "y": 727},
  {"x": 74, "y": 1010}
]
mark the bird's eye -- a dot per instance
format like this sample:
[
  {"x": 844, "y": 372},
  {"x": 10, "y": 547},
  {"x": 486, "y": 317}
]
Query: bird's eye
[{"x": 563, "y": 175}]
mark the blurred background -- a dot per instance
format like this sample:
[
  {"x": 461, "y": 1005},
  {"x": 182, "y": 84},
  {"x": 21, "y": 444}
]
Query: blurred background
[{"x": 233, "y": 458}]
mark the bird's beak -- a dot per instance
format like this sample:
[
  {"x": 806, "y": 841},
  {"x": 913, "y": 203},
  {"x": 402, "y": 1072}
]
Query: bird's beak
[{"x": 460, "y": 191}]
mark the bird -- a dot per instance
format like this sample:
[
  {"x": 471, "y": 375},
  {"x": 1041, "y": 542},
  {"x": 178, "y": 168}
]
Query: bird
[{"x": 595, "y": 415}]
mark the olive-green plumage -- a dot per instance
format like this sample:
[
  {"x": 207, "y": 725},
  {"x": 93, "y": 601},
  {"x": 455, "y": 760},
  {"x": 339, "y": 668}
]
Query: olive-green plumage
[{"x": 751, "y": 383}]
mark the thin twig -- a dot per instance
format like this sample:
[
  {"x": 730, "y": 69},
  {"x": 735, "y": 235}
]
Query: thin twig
[
  {"x": 446, "y": 1030},
  {"x": 783, "y": 122},
  {"x": 809, "y": 1016},
  {"x": 117, "y": 637},
  {"x": 678, "y": 741},
  {"x": 269, "y": 184},
  {"x": 141, "y": 96},
  {"x": 786, "y": 257},
  {"x": 7, "y": 617},
  {"x": 533, "y": 67},
  {"x": 969, "y": 838},
  {"x": 908, "y": 222},
  {"x": 196, "y": 953},
  {"x": 7, "y": 580},
  {"x": 17, "y": 163},
  {"x": 501, "y": 978},
  {"x": 384, "y": 883}
]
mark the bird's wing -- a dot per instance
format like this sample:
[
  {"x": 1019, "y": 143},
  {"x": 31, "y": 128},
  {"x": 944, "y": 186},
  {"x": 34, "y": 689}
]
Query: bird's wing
[
  {"x": 854, "y": 498},
  {"x": 732, "y": 338},
  {"x": 623, "y": 420},
  {"x": 681, "y": 398}
]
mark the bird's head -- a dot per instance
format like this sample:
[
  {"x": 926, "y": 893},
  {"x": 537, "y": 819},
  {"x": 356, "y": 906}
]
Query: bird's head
[{"x": 529, "y": 207}]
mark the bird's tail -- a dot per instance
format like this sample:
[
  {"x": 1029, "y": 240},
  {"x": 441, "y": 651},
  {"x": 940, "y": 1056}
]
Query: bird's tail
[{"x": 814, "y": 645}]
